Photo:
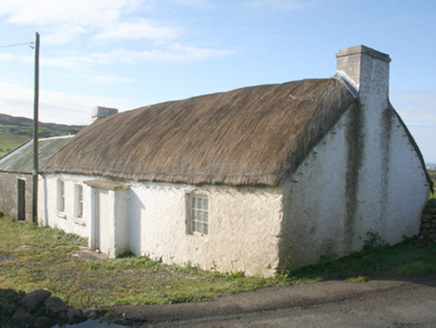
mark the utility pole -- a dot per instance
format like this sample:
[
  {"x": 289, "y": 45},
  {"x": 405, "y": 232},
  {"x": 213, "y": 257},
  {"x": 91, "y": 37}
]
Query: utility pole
[{"x": 35, "y": 134}]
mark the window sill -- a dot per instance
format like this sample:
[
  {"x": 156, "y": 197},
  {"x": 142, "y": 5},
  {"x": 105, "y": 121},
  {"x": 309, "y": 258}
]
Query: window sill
[
  {"x": 80, "y": 222},
  {"x": 199, "y": 234},
  {"x": 61, "y": 215}
]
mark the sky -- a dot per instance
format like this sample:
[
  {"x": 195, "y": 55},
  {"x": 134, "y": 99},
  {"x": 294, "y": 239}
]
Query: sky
[{"x": 132, "y": 53}]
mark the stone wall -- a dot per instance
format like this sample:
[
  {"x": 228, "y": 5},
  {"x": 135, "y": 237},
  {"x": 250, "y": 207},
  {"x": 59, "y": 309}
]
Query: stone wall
[{"x": 428, "y": 222}]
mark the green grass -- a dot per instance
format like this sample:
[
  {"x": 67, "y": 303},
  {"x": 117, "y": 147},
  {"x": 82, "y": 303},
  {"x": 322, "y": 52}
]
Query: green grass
[
  {"x": 9, "y": 142},
  {"x": 35, "y": 257},
  {"x": 432, "y": 173},
  {"x": 408, "y": 259},
  {"x": 39, "y": 257}
]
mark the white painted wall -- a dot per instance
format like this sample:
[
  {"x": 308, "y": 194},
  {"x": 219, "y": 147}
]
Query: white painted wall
[
  {"x": 314, "y": 208},
  {"x": 66, "y": 220},
  {"x": 319, "y": 217},
  {"x": 244, "y": 223}
]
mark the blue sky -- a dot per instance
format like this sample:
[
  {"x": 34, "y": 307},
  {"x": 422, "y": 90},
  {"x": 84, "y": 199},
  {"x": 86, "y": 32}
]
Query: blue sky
[{"x": 131, "y": 53}]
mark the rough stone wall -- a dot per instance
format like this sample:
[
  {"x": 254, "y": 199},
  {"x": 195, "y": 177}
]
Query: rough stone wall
[
  {"x": 9, "y": 194},
  {"x": 428, "y": 221}
]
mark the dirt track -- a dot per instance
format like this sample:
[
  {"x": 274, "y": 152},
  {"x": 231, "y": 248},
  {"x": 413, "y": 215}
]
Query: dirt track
[{"x": 377, "y": 303}]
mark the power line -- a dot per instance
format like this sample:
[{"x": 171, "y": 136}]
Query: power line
[{"x": 31, "y": 44}]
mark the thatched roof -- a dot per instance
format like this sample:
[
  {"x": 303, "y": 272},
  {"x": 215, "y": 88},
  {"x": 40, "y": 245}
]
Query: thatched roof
[{"x": 257, "y": 135}]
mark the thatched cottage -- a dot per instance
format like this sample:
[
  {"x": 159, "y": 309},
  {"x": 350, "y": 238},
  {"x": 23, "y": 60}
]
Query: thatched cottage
[{"x": 246, "y": 180}]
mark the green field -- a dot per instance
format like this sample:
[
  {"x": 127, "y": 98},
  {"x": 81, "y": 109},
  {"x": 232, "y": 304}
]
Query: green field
[
  {"x": 16, "y": 130},
  {"x": 9, "y": 141}
]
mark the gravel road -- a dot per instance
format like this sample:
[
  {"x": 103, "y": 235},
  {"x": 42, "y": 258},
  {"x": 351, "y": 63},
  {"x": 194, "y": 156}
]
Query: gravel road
[{"x": 377, "y": 303}]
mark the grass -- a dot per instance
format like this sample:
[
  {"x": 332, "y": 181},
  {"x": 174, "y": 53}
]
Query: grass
[
  {"x": 408, "y": 259},
  {"x": 432, "y": 173},
  {"x": 9, "y": 142},
  {"x": 39, "y": 257}
]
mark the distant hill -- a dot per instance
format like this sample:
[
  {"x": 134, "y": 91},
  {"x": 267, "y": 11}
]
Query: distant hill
[{"x": 16, "y": 130}]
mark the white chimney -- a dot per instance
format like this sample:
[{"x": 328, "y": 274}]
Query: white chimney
[
  {"x": 364, "y": 69},
  {"x": 100, "y": 112}
]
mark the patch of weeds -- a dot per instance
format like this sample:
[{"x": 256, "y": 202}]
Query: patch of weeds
[
  {"x": 328, "y": 258},
  {"x": 432, "y": 201},
  {"x": 127, "y": 254},
  {"x": 140, "y": 261},
  {"x": 374, "y": 242},
  {"x": 414, "y": 269},
  {"x": 357, "y": 280},
  {"x": 410, "y": 258},
  {"x": 236, "y": 275},
  {"x": 81, "y": 298}
]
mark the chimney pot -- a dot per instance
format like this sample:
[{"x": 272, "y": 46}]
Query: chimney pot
[{"x": 101, "y": 112}]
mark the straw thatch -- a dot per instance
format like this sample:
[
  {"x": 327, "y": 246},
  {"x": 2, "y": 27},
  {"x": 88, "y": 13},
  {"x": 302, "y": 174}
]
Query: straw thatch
[{"x": 257, "y": 135}]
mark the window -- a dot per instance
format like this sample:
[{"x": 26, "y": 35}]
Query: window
[
  {"x": 78, "y": 210},
  {"x": 198, "y": 214},
  {"x": 61, "y": 196}
]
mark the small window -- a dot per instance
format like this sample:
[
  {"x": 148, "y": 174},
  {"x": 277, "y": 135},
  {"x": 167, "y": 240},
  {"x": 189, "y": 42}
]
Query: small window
[
  {"x": 199, "y": 214},
  {"x": 61, "y": 196},
  {"x": 78, "y": 211}
]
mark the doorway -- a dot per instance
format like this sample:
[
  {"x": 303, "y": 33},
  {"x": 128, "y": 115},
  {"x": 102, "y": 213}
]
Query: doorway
[
  {"x": 21, "y": 216},
  {"x": 102, "y": 226}
]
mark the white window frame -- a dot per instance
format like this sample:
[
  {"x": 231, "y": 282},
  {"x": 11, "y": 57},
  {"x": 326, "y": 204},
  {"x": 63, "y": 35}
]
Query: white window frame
[
  {"x": 198, "y": 221},
  {"x": 78, "y": 201},
  {"x": 60, "y": 206}
]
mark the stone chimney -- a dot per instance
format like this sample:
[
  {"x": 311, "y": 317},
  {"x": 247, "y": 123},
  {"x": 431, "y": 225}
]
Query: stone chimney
[
  {"x": 100, "y": 112},
  {"x": 365, "y": 70}
]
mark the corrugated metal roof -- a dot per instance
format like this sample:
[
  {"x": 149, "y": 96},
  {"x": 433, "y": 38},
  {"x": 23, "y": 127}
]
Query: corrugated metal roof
[{"x": 21, "y": 158}]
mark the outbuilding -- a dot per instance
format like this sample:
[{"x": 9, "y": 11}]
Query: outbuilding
[{"x": 16, "y": 176}]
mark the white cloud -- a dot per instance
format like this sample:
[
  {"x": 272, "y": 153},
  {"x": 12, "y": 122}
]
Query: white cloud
[
  {"x": 282, "y": 5},
  {"x": 74, "y": 61},
  {"x": 53, "y": 12},
  {"x": 140, "y": 29},
  {"x": 175, "y": 53},
  {"x": 7, "y": 57},
  {"x": 66, "y": 21},
  {"x": 106, "y": 21},
  {"x": 201, "y": 4},
  {"x": 25, "y": 59},
  {"x": 63, "y": 34},
  {"x": 107, "y": 79},
  {"x": 57, "y": 107}
]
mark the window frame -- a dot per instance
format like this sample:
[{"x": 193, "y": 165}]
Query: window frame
[
  {"x": 198, "y": 214},
  {"x": 60, "y": 199},
  {"x": 78, "y": 201}
]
